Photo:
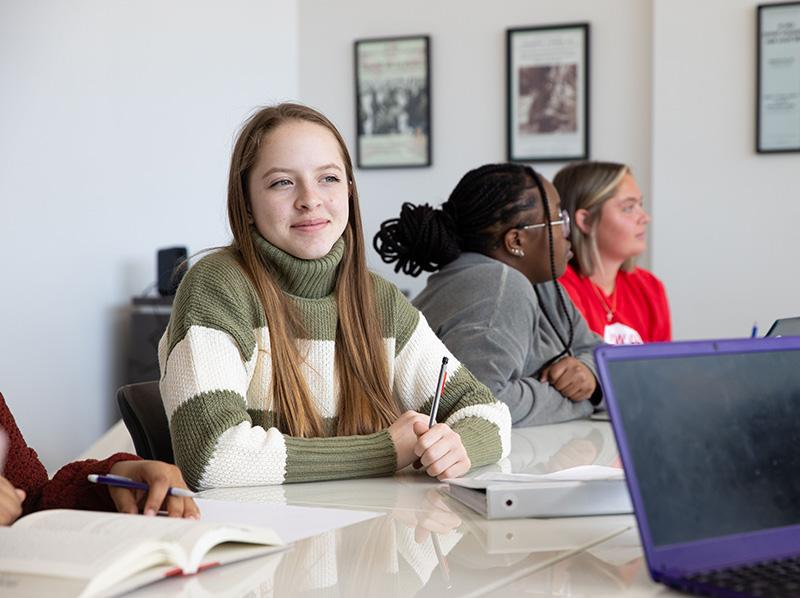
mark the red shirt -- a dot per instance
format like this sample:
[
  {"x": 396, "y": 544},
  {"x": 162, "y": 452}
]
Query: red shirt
[
  {"x": 69, "y": 488},
  {"x": 638, "y": 304}
]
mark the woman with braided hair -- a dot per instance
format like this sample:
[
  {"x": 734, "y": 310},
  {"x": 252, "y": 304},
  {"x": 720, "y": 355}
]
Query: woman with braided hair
[{"x": 496, "y": 247}]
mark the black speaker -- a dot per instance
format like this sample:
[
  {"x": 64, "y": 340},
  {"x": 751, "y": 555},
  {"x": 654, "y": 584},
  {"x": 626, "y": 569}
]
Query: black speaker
[{"x": 171, "y": 268}]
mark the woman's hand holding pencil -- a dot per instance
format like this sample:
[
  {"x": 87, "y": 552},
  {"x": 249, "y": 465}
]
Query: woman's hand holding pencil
[
  {"x": 404, "y": 437},
  {"x": 418, "y": 439},
  {"x": 441, "y": 452},
  {"x": 439, "y": 449}
]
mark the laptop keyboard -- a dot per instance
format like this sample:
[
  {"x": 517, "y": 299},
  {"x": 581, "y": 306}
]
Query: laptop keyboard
[{"x": 773, "y": 579}]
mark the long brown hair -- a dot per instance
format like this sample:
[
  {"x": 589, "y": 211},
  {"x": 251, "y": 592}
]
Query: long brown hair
[{"x": 366, "y": 403}]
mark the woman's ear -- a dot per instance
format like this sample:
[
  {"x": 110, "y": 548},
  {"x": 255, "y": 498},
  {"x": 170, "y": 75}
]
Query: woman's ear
[
  {"x": 512, "y": 242},
  {"x": 582, "y": 221}
]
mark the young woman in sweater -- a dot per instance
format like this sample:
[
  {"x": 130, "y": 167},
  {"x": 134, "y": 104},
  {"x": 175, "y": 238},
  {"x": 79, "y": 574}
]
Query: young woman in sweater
[
  {"x": 622, "y": 303},
  {"x": 24, "y": 486},
  {"x": 285, "y": 359},
  {"x": 496, "y": 246}
]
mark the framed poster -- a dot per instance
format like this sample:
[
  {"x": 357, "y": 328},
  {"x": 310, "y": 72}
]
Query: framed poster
[
  {"x": 548, "y": 93},
  {"x": 778, "y": 76},
  {"x": 393, "y": 102}
]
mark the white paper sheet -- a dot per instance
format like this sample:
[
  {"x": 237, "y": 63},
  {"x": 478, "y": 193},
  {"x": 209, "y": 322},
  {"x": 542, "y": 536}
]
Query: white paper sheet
[
  {"x": 582, "y": 473},
  {"x": 289, "y": 522}
]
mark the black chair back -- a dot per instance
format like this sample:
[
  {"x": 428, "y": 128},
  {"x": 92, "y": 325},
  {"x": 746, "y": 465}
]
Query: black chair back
[{"x": 144, "y": 416}]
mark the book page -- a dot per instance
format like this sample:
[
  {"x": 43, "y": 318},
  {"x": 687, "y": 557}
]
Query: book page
[
  {"x": 86, "y": 544},
  {"x": 82, "y": 544},
  {"x": 20, "y": 585},
  {"x": 59, "y": 553},
  {"x": 249, "y": 578},
  {"x": 110, "y": 525}
]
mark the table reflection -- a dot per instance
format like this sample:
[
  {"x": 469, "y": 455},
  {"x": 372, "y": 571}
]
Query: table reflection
[
  {"x": 428, "y": 544},
  {"x": 546, "y": 449},
  {"x": 613, "y": 568}
]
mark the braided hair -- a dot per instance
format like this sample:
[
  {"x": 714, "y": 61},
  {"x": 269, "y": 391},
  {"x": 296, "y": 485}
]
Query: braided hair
[{"x": 474, "y": 218}]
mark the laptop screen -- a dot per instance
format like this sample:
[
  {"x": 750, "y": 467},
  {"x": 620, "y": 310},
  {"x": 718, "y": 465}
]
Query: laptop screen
[
  {"x": 785, "y": 327},
  {"x": 714, "y": 440}
]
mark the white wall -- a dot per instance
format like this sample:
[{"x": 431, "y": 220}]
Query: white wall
[
  {"x": 726, "y": 218},
  {"x": 468, "y": 86},
  {"x": 117, "y": 120}
]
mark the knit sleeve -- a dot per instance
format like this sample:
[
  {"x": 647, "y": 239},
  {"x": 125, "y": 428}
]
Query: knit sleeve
[
  {"x": 23, "y": 468},
  {"x": 69, "y": 488},
  {"x": 209, "y": 357},
  {"x": 466, "y": 405}
]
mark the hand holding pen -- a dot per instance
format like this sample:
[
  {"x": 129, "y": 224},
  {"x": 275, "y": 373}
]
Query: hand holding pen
[
  {"x": 149, "y": 487},
  {"x": 438, "y": 446}
]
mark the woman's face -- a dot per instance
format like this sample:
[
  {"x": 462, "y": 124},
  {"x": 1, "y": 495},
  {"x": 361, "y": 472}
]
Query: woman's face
[
  {"x": 536, "y": 262},
  {"x": 622, "y": 229},
  {"x": 299, "y": 190}
]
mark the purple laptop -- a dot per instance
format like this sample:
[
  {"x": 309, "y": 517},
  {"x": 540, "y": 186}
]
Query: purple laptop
[{"x": 709, "y": 435}]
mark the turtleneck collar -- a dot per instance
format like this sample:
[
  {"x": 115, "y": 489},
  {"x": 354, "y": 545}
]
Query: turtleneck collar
[{"x": 310, "y": 279}]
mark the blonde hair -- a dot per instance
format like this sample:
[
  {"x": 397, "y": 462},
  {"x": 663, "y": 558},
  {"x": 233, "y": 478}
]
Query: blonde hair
[
  {"x": 588, "y": 186},
  {"x": 367, "y": 404}
]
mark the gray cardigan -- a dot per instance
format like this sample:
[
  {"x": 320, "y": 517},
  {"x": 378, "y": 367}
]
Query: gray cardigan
[{"x": 487, "y": 314}]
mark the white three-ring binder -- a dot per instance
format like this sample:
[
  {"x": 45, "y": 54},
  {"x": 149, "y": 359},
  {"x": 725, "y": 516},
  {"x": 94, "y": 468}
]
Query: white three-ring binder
[{"x": 504, "y": 500}]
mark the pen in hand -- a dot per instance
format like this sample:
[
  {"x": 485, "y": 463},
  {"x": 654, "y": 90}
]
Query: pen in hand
[
  {"x": 437, "y": 394},
  {"x": 123, "y": 482}
]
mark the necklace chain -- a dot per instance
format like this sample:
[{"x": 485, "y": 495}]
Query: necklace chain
[{"x": 610, "y": 309}]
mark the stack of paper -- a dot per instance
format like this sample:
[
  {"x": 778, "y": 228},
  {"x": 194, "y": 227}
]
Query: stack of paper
[{"x": 582, "y": 473}]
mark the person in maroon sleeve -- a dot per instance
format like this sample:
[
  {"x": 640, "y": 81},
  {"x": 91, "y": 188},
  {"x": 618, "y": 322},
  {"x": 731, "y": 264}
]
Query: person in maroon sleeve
[
  {"x": 622, "y": 303},
  {"x": 25, "y": 488}
]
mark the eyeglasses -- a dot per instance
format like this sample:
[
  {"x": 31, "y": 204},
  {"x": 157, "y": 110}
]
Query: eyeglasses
[{"x": 563, "y": 221}]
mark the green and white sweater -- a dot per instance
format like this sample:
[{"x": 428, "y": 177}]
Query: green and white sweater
[{"x": 216, "y": 378}]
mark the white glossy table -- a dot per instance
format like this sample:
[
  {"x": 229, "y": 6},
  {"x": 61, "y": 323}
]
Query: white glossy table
[
  {"x": 428, "y": 544},
  {"x": 615, "y": 567}
]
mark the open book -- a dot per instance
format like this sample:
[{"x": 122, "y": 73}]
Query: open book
[{"x": 84, "y": 553}]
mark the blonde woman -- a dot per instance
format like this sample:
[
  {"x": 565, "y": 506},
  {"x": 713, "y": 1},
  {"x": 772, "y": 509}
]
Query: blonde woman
[
  {"x": 621, "y": 302},
  {"x": 285, "y": 359}
]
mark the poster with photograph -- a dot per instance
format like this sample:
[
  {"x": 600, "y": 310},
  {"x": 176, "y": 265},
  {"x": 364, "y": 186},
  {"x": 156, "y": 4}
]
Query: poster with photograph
[
  {"x": 393, "y": 98},
  {"x": 778, "y": 116},
  {"x": 548, "y": 91}
]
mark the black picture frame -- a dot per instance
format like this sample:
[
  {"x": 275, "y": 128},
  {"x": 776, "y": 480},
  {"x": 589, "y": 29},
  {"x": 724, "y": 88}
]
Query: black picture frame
[
  {"x": 778, "y": 78},
  {"x": 393, "y": 102},
  {"x": 547, "y": 93}
]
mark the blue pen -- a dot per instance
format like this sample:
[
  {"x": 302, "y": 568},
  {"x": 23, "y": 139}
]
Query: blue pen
[
  {"x": 754, "y": 332},
  {"x": 123, "y": 482}
]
